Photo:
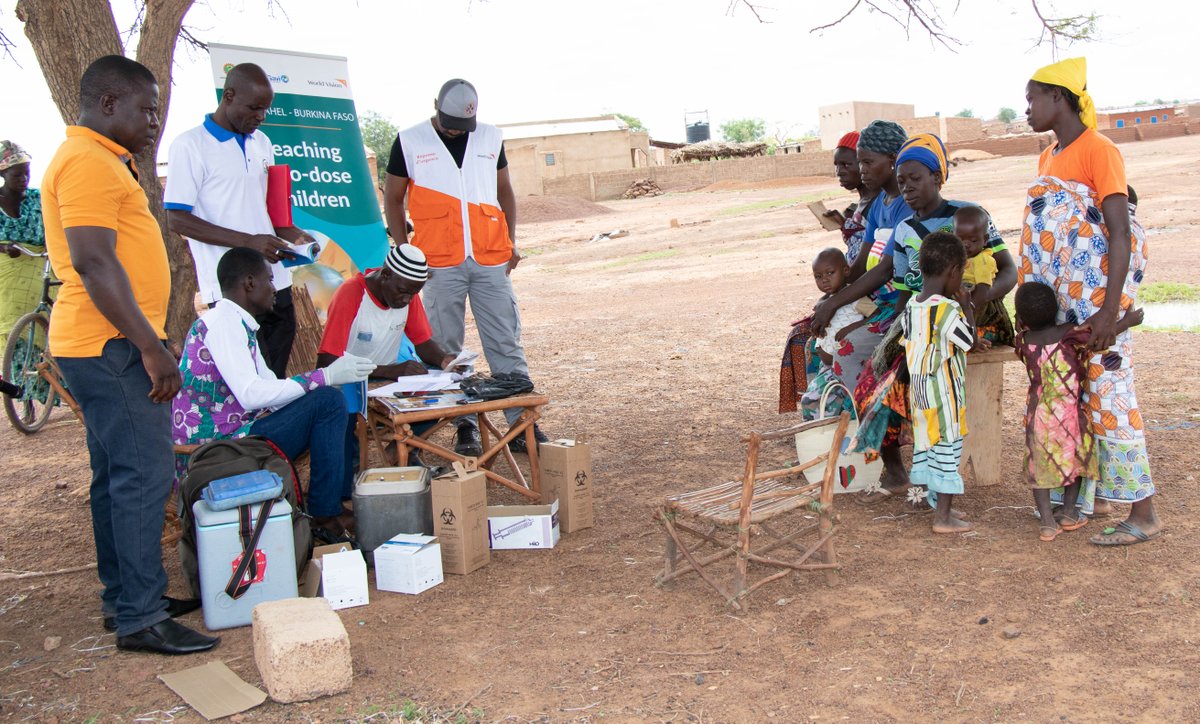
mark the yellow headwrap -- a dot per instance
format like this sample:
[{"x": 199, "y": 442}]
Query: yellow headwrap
[{"x": 1072, "y": 75}]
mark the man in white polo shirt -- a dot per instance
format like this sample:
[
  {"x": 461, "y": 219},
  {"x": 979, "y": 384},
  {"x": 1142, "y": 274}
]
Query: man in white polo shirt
[{"x": 216, "y": 197}]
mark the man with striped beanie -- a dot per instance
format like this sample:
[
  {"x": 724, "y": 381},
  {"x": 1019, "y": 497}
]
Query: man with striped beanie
[{"x": 372, "y": 312}]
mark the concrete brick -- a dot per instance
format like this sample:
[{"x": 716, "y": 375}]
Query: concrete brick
[{"x": 301, "y": 648}]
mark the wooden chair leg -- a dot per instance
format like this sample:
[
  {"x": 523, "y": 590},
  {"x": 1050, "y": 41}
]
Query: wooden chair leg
[{"x": 825, "y": 516}]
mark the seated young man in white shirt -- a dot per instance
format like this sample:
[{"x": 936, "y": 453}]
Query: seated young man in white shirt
[
  {"x": 369, "y": 316},
  {"x": 229, "y": 391}
]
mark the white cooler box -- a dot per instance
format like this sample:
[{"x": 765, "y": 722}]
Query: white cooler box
[{"x": 219, "y": 549}]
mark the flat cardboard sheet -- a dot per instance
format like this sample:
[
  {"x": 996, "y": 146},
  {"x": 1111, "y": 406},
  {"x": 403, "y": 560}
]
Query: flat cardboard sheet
[
  {"x": 818, "y": 210},
  {"x": 214, "y": 690}
]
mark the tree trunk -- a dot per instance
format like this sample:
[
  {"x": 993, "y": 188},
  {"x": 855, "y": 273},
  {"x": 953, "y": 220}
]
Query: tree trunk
[
  {"x": 156, "y": 50},
  {"x": 67, "y": 35}
]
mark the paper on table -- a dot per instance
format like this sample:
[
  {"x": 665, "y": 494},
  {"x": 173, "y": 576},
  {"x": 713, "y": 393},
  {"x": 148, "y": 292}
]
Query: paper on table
[
  {"x": 465, "y": 358},
  {"x": 213, "y": 690},
  {"x": 432, "y": 382}
]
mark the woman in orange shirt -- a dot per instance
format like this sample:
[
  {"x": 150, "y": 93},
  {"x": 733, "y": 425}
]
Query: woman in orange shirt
[{"x": 1079, "y": 239}]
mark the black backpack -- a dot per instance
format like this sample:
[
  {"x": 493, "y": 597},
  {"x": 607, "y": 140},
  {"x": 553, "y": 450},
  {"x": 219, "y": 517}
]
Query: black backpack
[{"x": 222, "y": 459}]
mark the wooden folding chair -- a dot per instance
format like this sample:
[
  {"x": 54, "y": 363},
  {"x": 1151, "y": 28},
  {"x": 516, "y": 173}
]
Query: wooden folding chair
[{"x": 738, "y": 518}]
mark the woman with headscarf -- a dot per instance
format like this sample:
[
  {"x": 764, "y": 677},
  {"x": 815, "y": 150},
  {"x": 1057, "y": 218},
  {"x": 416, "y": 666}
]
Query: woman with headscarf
[
  {"x": 800, "y": 365},
  {"x": 922, "y": 170},
  {"x": 853, "y": 219},
  {"x": 1078, "y": 238},
  {"x": 20, "y": 223},
  {"x": 878, "y": 145}
]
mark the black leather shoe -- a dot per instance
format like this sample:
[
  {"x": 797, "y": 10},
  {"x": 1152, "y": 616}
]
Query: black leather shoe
[
  {"x": 167, "y": 637},
  {"x": 517, "y": 444},
  {"x": 467, "y": 442},
  {"x": 176, "y": 607}
]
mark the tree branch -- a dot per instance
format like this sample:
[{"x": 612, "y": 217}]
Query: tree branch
[
  {"x": 752, "y": 7},
  {"x": 1064, "y": 31}
]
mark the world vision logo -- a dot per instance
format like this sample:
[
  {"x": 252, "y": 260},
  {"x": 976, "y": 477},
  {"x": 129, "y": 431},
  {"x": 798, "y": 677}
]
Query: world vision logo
[{"x": 345, "y": 83}]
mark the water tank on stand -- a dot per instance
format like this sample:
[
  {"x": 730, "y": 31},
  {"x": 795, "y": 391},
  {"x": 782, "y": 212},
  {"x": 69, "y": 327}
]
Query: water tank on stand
[{"x": 696, "y": 125}]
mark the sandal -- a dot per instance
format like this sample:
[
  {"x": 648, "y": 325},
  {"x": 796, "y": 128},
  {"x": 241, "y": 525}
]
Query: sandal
[
  {"x": 1046, "y": 534},
  {"x": 1123, "y": 528},
  {"x": 1069, "y": 524}
]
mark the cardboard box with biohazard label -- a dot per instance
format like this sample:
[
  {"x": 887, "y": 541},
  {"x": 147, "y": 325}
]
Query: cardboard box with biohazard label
[
  {"x": 521, "y": 527},
  {"x": 460, "y": 520},
  {"x": 566, "y": 467}
]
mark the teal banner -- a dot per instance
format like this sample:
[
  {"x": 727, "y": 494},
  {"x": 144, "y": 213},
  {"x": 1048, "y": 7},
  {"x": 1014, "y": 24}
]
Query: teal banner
[{"x": 313, "y": 126}]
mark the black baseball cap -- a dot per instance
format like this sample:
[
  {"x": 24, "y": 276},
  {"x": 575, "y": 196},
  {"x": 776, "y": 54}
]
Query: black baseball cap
[{"x": 457, "y": 103}]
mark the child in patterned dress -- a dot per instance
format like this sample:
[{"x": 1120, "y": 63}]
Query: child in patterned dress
[
  {"x": 831, "y": 272},
  {"x": 938, "y": 330},
  {"x": 1060, "y": 450}
]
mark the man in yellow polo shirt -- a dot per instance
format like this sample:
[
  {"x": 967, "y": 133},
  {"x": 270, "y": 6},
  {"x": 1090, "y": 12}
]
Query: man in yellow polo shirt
[{"x": 107, "y": 333}]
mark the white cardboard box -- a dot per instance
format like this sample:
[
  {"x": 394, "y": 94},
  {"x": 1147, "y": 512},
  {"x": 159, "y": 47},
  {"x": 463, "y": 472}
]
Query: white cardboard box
[
  {"x": 344, "y": 579},
  {"x": 408, "y": 563},
  {"x": 516, "y": 527}
]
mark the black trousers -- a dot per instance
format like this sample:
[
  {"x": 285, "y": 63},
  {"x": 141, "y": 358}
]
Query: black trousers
[{"x": 276, "y": 330}]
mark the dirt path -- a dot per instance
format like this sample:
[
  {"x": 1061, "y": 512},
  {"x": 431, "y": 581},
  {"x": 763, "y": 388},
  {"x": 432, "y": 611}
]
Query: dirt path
[{"x": 661, "y": 347}]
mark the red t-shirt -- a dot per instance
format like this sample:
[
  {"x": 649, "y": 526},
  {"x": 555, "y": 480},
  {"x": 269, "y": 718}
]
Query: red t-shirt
[{"x": 359, "y": 324}]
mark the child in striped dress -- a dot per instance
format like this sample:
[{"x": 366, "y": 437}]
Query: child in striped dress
[{"x": 938, "y": 331}]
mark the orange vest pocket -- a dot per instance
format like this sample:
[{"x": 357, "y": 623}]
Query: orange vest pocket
[
  {"x": 437, "y": 227},
  {"x": 490, "y": 243}
]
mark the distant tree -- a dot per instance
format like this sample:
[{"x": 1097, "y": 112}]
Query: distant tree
[
  {"x": 744, "y": 130},
  {"x": 965, "y": 113},
  {"x": 635, "y": 124},
  {"x": 1006, "y": 115},
  {"x": 378, "y": 133}
]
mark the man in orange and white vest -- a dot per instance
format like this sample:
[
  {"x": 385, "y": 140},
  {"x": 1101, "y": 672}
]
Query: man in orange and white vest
[{"x": 454, "y": 175}]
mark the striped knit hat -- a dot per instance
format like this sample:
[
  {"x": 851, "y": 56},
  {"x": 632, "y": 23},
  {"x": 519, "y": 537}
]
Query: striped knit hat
[{"x": 408, "y": 261}]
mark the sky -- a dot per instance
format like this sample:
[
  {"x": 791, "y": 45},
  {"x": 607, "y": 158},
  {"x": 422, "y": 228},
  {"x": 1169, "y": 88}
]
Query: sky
[{"x": 653, "y": 59}]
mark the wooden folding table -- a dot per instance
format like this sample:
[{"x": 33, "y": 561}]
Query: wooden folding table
[{"x": 390, "y": 420}]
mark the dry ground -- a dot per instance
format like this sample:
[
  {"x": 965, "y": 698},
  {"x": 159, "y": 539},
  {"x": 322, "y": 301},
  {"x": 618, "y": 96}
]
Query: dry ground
[{"x": 661, "y": 348}]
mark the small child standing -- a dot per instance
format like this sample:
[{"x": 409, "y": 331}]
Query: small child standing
[
  {"x": 938, "y": 331},
  {"x": 992, "y": 322},
  {"x": 1059, "y": 447},
  {"x": 831, "y": 272}
]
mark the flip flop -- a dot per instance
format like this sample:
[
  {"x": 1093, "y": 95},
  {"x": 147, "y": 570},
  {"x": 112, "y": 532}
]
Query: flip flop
[
  {"x": 1045, "y": 537},
  {"x": 1126, "y": 528},
  {"x": 1068, "y": 525}
]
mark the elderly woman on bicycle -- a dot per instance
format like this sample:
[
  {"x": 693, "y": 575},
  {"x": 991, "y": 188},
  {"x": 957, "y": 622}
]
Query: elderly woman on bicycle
[{"x": 20, "y": 223}]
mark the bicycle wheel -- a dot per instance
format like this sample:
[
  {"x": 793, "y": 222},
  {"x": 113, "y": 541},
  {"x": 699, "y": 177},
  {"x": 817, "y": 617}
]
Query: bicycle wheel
[{"x": 26, "y": 348}]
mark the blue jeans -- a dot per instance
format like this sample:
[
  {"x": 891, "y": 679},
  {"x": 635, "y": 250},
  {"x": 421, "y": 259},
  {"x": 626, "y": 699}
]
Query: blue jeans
[
  {"x": 317, "y": 423},
  {"x": 133, "y": 469}
]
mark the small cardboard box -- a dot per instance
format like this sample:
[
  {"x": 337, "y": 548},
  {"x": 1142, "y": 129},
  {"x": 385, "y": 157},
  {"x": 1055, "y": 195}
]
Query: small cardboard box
[
  {"x": 566, "y": 467},
  {"x": 460, "y": 520},
  {"x": 515, "y": 527},
  {"x": 337, "y": 573},
  {"x": 408, "y": 564}
]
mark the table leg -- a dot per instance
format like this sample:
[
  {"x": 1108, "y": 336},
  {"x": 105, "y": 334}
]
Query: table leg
[{"x": 981, "y": 448}]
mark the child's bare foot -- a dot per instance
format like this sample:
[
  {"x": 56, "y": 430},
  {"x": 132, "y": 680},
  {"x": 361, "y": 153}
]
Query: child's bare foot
[
  {"x": 952, "y": 526},
  {"x": 1102, "y": 507},
  {"x": 1047, "y": 533}
]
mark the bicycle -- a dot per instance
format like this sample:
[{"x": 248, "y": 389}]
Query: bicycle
[{"x": 29, "y": 365}]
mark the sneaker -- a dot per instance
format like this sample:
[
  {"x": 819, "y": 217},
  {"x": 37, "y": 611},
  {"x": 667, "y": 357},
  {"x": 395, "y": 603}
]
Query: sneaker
[
  {"x": 517, "y": 444},
  {"x": 467, "y": 442}
]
